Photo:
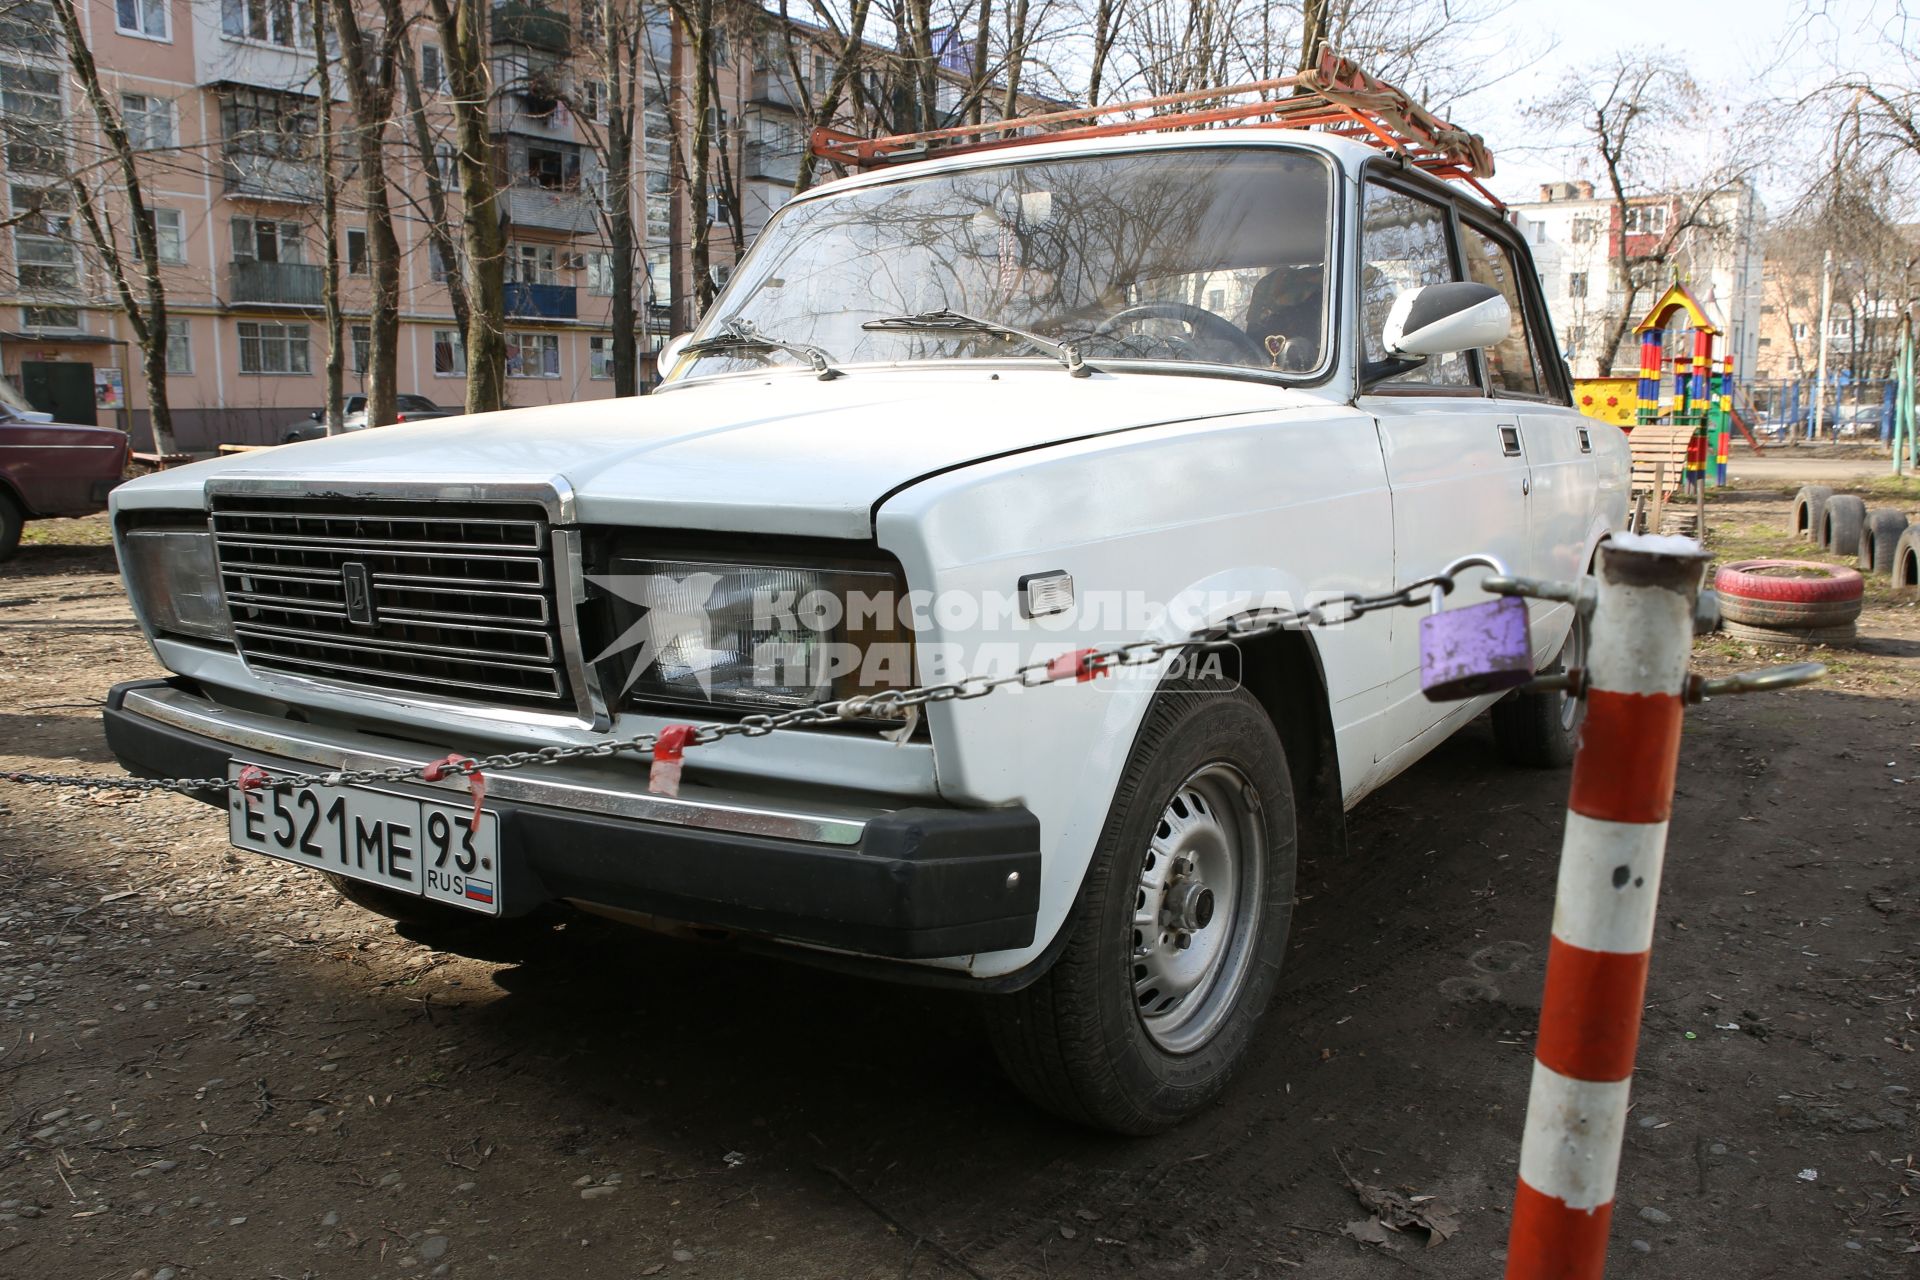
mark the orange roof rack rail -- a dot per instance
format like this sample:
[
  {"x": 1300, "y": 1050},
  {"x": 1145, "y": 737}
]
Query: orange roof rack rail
[{"x": 1335, "y": 96}]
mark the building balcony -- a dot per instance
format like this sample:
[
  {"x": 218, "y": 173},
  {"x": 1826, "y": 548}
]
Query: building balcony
[
  {"x": 287, "y": 284},
  {"x": 272, "y": 178},
  {"x": 773, "y": 86},
  {"x": 771, "y": 163},
  {"x": 548, "y": 210},
  {"x": 533, "y": 25},
  {"x": 543, "y": 302}
]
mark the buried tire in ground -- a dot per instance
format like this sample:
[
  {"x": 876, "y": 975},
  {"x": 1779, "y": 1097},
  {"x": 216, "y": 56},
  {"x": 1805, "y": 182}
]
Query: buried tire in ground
[
  {"x": 1906, "y": 562},
  {"x": 1879, "y": 536},
  {"x": 1841, "y": 522},
  {"x": 1807, "y": 507},
  {"x": 1540, "y": 730},
  {"x": 449, "y": 929},
  {"x": 1175, "y": 942}
]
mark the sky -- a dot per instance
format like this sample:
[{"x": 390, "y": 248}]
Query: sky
[{"x": 1740, "y": 50}]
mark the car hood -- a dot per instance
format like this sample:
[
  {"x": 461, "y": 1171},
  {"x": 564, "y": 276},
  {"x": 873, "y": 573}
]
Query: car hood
[{"x": 783, "y": 454}]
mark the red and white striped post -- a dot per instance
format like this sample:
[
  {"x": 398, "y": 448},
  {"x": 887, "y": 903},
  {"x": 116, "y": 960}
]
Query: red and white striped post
[{"x": 1640, "y": 637}]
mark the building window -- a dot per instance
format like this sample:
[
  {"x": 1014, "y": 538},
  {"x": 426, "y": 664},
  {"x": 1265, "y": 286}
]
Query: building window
[
  {"x": 533, "y": 355},
  {"x": 437, "y": 269},
  {"x": 179, "y": 346},
  {"x": 552, "y": 168},
  {"x": 66, "y": 318},
  {"x": 356, "y": 251},
  {"x": 600, "y": 358},
  {"x": 433, "y": 72},
  {"x": 1576, "y": 284},
  {"x": 278, "y": 22},
  {"x": 170, "y": 233},
  {"x": 593, "y": 100},
  {"x": 34, "y": 119},
  {"x": 449, "y": 354},
  {"x": 360, "y": 341},
  {"x": 149, "y": 121},
  {"x": 532, "y": 264},
  {"x": 1800, "y": 331},
  {"x": 445, "y": 164},
  {"x": 274, "y": 348},
  {"x": 1583, "y": 230},
  {"x": 263, "y": 240},
  {"x": 600, "y": 274},
  {"x": 45, "y": 266},
  {"x": 266, "y": 142},
  {"x": 29, "y": 26},
  {"x": 142, "y": 17},
  {"x": 1647, "y": 220}
]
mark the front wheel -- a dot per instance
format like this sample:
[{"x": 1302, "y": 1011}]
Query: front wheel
[{"x": 1175, "y": 943}]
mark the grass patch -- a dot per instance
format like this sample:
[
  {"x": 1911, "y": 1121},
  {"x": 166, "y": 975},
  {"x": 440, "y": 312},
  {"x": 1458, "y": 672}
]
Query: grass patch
[{"x": 87, "y": 531}]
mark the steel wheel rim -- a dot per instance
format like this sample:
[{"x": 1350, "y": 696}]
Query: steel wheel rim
[{"x": 1212, "y": 826}]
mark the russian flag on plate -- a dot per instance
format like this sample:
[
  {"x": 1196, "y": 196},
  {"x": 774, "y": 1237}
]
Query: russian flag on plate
[{"x": 479, "y": 891}]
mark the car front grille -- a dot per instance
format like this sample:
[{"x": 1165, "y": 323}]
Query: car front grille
[{"x": 453, "y": 601}]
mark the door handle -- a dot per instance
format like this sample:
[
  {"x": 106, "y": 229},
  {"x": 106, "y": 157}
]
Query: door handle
[
  {"x": 1510, "y": 441},
  {"x": 1526, "y": 485},
  {"x": 1586, "y": 441}
]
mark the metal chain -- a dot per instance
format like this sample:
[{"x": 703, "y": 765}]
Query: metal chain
[{"x": 1080, "y": 665}]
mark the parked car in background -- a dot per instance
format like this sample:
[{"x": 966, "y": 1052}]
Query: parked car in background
[
  {"x": 54, "y": 469},
  {"x": 411, "y": 409}
]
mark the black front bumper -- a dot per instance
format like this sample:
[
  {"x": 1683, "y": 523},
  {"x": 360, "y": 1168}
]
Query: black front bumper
[{"x": 920, "y": 883}]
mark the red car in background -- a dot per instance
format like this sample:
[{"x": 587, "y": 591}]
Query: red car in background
[{"x": 54, "y": 469}]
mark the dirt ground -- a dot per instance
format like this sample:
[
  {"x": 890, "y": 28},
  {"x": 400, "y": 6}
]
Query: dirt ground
[{"x": 211, "y": 1067}]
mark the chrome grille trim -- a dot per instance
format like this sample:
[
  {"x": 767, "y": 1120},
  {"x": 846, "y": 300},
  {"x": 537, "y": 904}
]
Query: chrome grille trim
[{"x": 464, "y": 595}]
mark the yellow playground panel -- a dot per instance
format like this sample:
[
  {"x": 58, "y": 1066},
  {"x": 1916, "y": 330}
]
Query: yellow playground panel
[{"x": 1614, "y": 400}]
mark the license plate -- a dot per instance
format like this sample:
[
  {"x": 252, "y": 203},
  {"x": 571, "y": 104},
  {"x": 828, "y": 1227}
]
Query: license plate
[{"x": 422, "y": 848}]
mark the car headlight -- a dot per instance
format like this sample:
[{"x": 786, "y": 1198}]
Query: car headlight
[
  {"x": 174, "y": 580},
  {"x": 762, "y": 637}
]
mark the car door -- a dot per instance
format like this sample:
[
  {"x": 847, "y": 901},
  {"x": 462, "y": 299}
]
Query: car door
[
  {"x": 1455, "y": 458},
  {"x": 1527, "y": 380}
]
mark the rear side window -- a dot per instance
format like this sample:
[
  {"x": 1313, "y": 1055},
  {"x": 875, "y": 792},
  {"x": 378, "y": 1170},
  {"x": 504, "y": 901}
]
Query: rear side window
[
  {"x": 1513, "y": 365},
  {"x": 1405, "y": 242}
]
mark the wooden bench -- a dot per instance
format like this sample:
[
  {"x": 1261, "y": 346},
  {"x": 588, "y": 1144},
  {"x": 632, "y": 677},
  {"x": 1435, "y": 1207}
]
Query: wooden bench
[
  {"x": 1659, "y": 470},
  {"x": 161, "y": 461},
  {"x": 244, "y": 448}
]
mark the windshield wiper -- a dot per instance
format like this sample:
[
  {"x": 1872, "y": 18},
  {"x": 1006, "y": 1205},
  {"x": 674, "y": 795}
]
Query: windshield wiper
[
  {"x": 738, "y": 334},
  {"x": 945, "y": 321}
]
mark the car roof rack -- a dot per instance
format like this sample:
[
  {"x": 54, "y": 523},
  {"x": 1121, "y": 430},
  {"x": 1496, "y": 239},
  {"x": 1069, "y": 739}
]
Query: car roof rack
[{"x": 1334, "y": 96}]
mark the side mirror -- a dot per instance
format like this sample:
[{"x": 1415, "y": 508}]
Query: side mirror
[
  {"x": 1439, "y": 319},
  {"x": 317, "y": 416}
]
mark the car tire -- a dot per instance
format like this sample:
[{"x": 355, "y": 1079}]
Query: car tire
[
  {"x": 1787, "y": 581},
  {"x": 449, "y": 929},
  {"x": 1541, "y": 730},
  {"x": 1879, "y": 536},
  {"x": 1131, "y": 1032},
  {"x": 12, "y": 520},
  {"x": 1906, "y": 563},
  {"x": 1807, "y": 507},
  {"x": 1840, "y": 523}
]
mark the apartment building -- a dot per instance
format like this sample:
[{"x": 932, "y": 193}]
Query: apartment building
[
  {"x": 221, "y": 95},
  {"x": 1576, "y": 239}
]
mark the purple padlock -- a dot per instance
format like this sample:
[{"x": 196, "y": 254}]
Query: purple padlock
[{"x": 1482, "y": 648}]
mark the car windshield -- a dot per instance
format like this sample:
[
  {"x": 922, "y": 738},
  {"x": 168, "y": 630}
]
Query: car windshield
[{"x": 1208, "y": 255}]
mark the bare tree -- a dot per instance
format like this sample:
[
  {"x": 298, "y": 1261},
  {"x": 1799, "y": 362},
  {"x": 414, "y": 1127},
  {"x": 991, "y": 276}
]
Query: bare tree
[
  {"x": 1627, "y": 115},
  {"x": 462, "y": 25},
  {"x": 421, "y": 136},
  {"x": 615, "y": 33},
  {"x": 329, "y": 215},
  {"x": 146, "y": 308}
]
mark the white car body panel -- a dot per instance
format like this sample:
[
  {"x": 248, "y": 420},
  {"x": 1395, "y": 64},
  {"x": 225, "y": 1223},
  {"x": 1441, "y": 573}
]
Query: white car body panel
[{"x": 972, "y": 474}]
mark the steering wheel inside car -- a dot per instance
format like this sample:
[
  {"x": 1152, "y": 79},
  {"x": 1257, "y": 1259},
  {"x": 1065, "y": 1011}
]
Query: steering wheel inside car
[{"x": 1207, "y": 328}]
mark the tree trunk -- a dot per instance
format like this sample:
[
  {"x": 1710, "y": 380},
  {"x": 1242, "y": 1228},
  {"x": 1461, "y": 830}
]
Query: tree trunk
[
  {"x": 696, "y": 19},
  {"x": 461, "y": 23},
  {"x": 148, "y": 321},
  {"x": 1016, "y": 58},
  {"x": 623, "y": 87},
  {"x": 329, "y": 220},
  {"x": 439, "y": 223},
  {"x": 371, "y": 89}
]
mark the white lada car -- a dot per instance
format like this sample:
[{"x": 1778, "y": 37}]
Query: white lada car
[{"x": 945, "y": 417}]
